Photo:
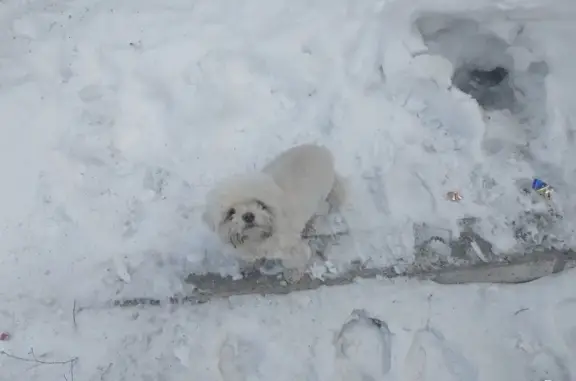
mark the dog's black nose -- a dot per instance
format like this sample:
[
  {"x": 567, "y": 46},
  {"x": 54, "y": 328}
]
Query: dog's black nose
[{"x": 248, "y": 217}]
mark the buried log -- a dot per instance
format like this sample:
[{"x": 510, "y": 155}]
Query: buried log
[{"x": 513, "y": 269}]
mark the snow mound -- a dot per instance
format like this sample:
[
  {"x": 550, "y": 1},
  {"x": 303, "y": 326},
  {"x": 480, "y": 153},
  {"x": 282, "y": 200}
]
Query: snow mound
[{"x": 119, "y": 118}]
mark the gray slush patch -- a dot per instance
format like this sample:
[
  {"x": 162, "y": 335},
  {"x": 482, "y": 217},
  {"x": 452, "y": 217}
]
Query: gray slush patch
[{"x": 524, "y": 269}]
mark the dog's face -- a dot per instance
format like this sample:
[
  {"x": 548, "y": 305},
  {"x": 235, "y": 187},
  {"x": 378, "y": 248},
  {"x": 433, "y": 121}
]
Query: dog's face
[{"x": 246, "y": 223}]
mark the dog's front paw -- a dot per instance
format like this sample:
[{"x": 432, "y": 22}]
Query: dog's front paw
[
  {"x": 295, "y": 260},
  {"x": 292, "y": 276}
]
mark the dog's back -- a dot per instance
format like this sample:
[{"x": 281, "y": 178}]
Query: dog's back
[{"x": 305, "y": 173}]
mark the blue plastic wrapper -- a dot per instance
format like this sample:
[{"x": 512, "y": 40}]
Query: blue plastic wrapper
[{"x": 542, "y": 188}]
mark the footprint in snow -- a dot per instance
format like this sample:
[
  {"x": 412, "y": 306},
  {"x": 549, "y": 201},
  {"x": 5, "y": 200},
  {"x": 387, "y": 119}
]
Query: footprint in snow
[
  {"x": 431, "y": 358},
  {"x": 539, "y": 350},
  {"x": 545, "y": 365},
  {"x": 564, "y": 316},
  {"x": 363, "y": 348},
  {"x": 239, "y": 360}
]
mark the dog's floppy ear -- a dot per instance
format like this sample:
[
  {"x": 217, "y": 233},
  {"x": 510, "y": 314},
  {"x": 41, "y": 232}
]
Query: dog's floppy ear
[{"x": 209, "y": 221}]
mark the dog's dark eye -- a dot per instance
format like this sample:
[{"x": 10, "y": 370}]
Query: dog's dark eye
[
  {"x": 262, "y": 205},
  {"x": 230, "y": 213}
]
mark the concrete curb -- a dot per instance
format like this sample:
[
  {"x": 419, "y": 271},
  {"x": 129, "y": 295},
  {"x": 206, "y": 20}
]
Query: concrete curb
[
  {"x": 514, "y": 269},
  {"x": 524, "y": 269}
]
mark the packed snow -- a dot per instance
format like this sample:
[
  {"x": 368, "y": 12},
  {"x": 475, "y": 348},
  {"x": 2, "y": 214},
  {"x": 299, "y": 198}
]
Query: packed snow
[
  {"x": 118, "y": 117},
  {"x": 371, "y": 331}
]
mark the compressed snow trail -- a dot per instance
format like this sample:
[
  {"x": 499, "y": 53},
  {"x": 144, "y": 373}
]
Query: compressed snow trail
[{"x": 117, "y": 117}]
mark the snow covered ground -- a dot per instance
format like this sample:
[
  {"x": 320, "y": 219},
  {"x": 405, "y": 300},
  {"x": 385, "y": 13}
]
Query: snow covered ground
[
  {"x": 372, "y": 331},
  {"x": 117, "y": 117}
]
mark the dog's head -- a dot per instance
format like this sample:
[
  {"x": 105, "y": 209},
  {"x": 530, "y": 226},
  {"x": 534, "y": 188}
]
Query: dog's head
[
  {"x": 248, "y": 222},
  {"x": 244, "y": 211}
]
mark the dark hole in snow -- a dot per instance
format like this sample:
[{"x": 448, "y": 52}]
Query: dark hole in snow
[
  {"x": 490, "y": 87},
  {"x": 488, "y": 78},
  {"x": 485, "y": 64}
]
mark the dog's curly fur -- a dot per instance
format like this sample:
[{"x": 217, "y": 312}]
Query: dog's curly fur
[{"x": 263, "y": 214}]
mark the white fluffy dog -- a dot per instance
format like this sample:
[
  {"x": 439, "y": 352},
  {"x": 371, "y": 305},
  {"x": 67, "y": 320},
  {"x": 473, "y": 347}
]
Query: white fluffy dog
[{"x": 263, "y": 214}]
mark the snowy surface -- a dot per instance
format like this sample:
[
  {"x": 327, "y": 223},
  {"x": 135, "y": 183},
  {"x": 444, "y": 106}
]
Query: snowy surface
[
  {"x": 427, "y": 332},
  {"x": 117, "y": 117}
]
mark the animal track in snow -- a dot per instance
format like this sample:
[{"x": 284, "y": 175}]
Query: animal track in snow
[
  {"x": 565, "y": 323},
  {"x": 239, "y": 360},
  {"x": 363, "y": 348},
  {"x": 432, "y": 358},
  {"x": 545, "y": 365}
]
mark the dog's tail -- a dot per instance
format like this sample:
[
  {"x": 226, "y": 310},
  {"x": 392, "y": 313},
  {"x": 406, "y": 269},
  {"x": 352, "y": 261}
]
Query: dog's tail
[{"x": 337, "y": 195}]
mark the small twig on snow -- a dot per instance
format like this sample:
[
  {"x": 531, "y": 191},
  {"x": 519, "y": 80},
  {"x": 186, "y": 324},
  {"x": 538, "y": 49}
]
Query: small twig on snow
[
  {"x": 105, "y": 372},
  {"x": 74, "y": 314},
  {"x": 72, "y": 370},
  {"x": 35, "y": 360}
]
